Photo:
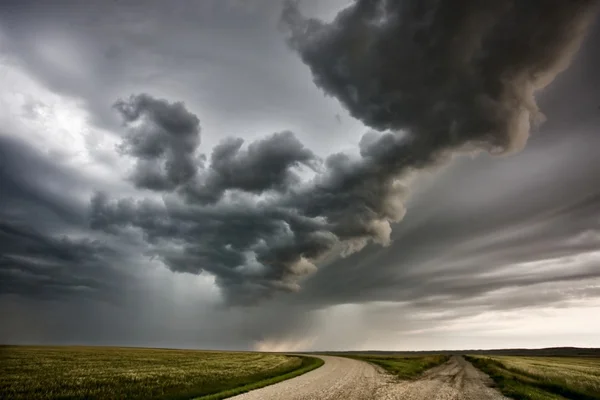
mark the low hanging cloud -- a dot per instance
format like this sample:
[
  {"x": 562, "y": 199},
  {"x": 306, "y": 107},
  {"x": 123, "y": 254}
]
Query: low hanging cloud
[
  {"x": 430, "y": 77},
  {"x": 47, "y": 267}
]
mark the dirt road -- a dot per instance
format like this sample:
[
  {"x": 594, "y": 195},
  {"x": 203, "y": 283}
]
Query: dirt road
[
  {"x": 346, "y": 379},
  {"x": 338, "y": 378},
  {"x": 455, "y": 380}
]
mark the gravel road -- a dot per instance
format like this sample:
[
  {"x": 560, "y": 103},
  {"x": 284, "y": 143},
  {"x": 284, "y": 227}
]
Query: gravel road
[
  {"x": 338, "y": 378},
  {"x": 455, "y": 380},
  {"x": 347, "y": 379}
]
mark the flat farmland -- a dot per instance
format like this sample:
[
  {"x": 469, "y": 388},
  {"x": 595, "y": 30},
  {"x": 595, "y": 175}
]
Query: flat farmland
[
  {"x": 134, "y": 373},
  {"x": 547, "y": 378}
]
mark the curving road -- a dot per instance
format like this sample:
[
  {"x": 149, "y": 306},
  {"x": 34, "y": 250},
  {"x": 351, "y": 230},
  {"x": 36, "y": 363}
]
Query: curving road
[
  {"x": 338, "y": 378},
  {"x": 457, "y": 379},
  {"x": 346, "y": 379}
]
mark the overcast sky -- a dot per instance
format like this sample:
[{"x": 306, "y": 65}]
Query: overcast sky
[{"x": 328, "y": 175}]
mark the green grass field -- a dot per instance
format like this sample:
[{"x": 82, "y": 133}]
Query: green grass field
[
  {"x": 36, "y": 373},
  {"x": 543, "y": 378},
  {"x": 404, "y": 367}
]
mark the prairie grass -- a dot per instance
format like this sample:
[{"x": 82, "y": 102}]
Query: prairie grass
[
  {"x": 537, "y": 378},
  {"x": 308, "y": 364},
  {"x": 404, "y": 367},
  {"x": 41, "y": 373}
]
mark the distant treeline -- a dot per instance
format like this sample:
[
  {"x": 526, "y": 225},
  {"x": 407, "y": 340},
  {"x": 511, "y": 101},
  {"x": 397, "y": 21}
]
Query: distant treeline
[{"x": 550, "y": 351}]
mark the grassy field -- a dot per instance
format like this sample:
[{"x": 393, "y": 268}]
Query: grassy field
[
  {"x": 404, "y": 367},
  {"x": 543, "y": 378},
  {"x": 36, "y": 373}
]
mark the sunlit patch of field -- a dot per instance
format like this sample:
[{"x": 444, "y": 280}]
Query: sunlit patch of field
[
  {"x": 533, "y": 378},
  {"x": 34, "y": 373}
]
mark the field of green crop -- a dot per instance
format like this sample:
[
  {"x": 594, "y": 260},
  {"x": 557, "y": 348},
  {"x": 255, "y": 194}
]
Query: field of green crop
[
  {"x": 543, "y": 378},
  {"x": 37, "y": 373},
  {"x": 404, "y": 367}
]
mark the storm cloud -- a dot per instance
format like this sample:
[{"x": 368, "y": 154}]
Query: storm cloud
[
  {"x": 435, "y": 78},
  {"x": 265, "y": 165},
  {"x": 48, "y": 267},
  {"x": 449, "y": 73},
  {"x": 218, "y": 171},
  {"x": 163, "y": 137},
  {"x": 46, "y": 251}
]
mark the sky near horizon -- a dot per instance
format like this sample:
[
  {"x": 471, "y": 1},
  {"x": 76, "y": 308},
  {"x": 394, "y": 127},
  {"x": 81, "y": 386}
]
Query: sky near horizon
[{"x": 312, "y": 175}]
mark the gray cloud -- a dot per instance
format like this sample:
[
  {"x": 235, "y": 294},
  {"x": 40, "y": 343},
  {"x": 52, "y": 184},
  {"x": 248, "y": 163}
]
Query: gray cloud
[
  {"x": 265, "y": 165},
  {"x": 244, "y": 244},
  {"x": 34, "y": 187},
  {"x": 46, "y": 251},
  {"x": 483, "y": 242},
  {"x": 450, "y": 73},
  {"x": 188, "y": 50},
  {"x": 438, "y": 96},
  {"x": 163, "y": 137},
  {"x": 41, "y": 266},
  {"x": 490, "y": 235}
]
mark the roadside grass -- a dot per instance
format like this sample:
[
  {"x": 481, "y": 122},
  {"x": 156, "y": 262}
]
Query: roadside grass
[
  {"x": 543, "y": 378},
  {"x": 404, "y": 367},
  {"x": 308, "y": 364},
  {"x": 68, "y": 373}
]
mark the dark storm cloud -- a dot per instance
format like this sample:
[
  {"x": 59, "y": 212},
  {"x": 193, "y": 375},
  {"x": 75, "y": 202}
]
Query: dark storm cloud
[
  {"x": 34, "y": 187},
  {"x": 265, "y": 165},
  {"x": 445, "y": 76},
  {"x": 38, "y": 265},
  {"x": 37, "y": 260},
  {"x": 448, "y": 72},
  {"x": 476, "y": 244},
  {"x": 163, "y": 137},
  {"x": 245, "y": 245},
  {"x": 395, "y": 67},
  {"x": 486, "y": 234}
]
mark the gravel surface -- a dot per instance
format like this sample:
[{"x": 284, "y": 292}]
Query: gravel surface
[
  {"x": 455, "y": 380},
  {"x": 347, "y": 379},
  {"x": 338, "y": 378}
]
